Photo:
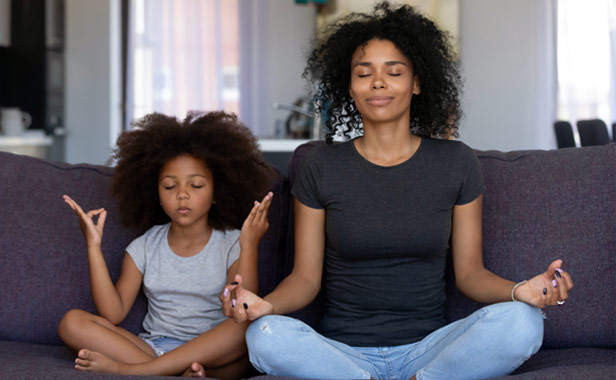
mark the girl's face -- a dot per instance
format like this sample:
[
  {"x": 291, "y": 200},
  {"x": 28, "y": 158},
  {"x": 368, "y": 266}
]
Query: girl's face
[
  {"x": 382, "y": 83},
  {"x": 186, "y": 190}
]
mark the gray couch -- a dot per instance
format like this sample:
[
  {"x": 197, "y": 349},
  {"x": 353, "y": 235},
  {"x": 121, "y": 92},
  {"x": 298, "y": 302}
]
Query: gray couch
[{"x": 539, "y": 206}]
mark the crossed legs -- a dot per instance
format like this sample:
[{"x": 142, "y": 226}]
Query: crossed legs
[{"x": 104, "y": 347}]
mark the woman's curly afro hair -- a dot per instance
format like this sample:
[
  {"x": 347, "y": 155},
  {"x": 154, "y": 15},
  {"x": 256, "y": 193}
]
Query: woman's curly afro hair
[
  {"x": 434, "y": 112},
  {"x": 227, "y": 148}
]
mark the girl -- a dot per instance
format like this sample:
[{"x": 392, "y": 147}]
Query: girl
[
  {"x": 379, "y": 234},
  {"x": 190, "y": 185}
]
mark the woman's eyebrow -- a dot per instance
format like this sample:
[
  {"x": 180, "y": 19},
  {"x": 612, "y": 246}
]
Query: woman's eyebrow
[{"x": 388, "y": 63}]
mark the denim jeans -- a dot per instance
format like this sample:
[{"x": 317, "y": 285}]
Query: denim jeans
[
  {"x": 491, "y": 342},
  {"x": 162, "y": 345}
]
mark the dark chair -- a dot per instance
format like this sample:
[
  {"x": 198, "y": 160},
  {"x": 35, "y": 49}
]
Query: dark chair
[
  {"x": 593, "y": 132},
  {"x": 564, "y": 134}
]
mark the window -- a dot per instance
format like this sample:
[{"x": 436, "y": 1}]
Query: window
[
  {"x": 182, "y": 56},
  {"x": 587, "y": 60}
]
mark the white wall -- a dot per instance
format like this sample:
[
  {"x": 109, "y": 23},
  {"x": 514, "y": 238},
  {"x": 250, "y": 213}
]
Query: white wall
[
  {"x": 507, "y": 58},
  {"x": 92, "y": 87},
  {"x": 281, "y": 31}
]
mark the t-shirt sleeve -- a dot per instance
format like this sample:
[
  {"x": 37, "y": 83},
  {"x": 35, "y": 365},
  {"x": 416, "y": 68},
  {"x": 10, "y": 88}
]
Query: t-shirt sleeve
[
  {"x": 308, "y": 180},
  {"x": 472, "y": 184},
  {"x": 136, "y": 250},
  {"x": 234, "y": 249}
]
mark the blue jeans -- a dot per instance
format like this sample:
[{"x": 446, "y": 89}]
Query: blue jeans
[
  {"x": 162, "y": 345},
  {"x": 491, "y": 342}
]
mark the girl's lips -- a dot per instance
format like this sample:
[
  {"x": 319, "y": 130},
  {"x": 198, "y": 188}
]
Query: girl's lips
[
  {"x": 183, "y": 210},
  {"x": 379, "y": 100}
]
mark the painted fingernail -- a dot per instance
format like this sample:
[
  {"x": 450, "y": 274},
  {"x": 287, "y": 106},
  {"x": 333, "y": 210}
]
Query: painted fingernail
[
  {"x": 559, "y": 270},
  {"x": 233, "y": 302},
  {"x": 545, "y": 291},
  {"x": 225, "y": 293},
  {"x": 245, "y": 306},
  {"x": 234, "y": 283},
  {"x": 557, "y": 273},
  {"x": 554, "y": 283}
]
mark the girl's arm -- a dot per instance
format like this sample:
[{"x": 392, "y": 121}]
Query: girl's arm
[
  {"x": 253, "y": 229},
  {"x": 302, "y": 285},
  {"x": 112, "y": 302},
  {"x": 481, "y": 285}
]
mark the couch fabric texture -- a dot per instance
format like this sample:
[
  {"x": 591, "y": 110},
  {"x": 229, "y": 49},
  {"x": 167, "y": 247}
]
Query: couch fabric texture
[{"x": 539, "y": 206}]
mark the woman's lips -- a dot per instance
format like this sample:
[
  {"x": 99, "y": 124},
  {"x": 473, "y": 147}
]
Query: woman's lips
[{"x": 379, "y": 100}]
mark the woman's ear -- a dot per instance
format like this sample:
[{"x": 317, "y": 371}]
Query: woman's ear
[{"x": 416, "y": 86}]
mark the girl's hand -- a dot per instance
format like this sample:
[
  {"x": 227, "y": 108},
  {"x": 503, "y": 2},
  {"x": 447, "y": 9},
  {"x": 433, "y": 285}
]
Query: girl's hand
[
  {"x": 547, "y": 288},
  {"x": 256, "y": 223},
  {"x": 241, "y": 304},
  {"x": 92, "y": 232}
]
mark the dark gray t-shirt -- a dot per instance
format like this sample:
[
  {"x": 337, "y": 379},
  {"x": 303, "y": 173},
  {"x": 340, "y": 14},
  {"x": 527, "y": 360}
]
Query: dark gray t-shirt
[{"x": 387, "y": 237}]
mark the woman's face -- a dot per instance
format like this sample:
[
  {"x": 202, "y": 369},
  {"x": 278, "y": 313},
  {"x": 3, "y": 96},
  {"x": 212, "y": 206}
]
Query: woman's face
[{"x": 382, "y": 83}]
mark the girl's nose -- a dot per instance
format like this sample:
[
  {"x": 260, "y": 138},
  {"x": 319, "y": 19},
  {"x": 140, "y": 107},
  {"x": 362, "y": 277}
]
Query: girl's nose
[{"x": 182, "y": 194}]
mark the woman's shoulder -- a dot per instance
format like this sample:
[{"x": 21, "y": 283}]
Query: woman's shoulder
[
  {"x": 323, "y": 152},
  {"x": 449, "y": 148}
]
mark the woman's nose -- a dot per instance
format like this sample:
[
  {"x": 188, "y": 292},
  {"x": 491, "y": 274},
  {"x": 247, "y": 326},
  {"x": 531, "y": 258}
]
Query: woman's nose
[{"x": 378, "y": 83}]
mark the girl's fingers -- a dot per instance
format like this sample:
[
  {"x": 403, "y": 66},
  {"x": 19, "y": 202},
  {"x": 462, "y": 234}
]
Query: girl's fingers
[{"x": 101, "y": 220}]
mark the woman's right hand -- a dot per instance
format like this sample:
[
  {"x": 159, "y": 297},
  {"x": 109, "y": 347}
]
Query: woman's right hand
[
  {"x": 241, "y": 304},
  {"x": 92, "y": 232}
]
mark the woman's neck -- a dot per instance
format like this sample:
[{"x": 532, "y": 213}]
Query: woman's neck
[{"x": 387, "y": 145}]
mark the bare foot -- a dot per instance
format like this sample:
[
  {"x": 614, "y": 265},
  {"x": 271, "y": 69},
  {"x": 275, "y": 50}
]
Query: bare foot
[
  {"x": 95, "y": 362},
  {"x": 195, "y": 370}
]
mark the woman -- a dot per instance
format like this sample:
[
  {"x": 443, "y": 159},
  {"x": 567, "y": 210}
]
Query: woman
[{"x": 375, "y": 217}]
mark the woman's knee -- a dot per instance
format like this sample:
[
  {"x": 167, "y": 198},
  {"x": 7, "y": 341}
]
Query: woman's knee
[
  {"x": 523, "y": 326},
  {"x": 268, "y": 335}
]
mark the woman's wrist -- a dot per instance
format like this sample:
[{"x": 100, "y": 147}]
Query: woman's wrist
[{"x": 515, "y": 287}]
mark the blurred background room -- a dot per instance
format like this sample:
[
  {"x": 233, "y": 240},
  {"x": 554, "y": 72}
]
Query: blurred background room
[{"x": 75, "y": 73}]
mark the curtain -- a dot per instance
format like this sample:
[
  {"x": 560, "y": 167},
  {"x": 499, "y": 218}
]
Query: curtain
[
  {"x": 182, "y": 56},
  {"x": 587, "y": 60}
]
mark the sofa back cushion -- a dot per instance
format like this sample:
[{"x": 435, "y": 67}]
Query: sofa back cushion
[
  {"x": 43, "y": 259},
  {"x": 540, "y": 206}
]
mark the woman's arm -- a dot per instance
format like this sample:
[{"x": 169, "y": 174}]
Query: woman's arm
[
  {"x": 302, "y": 285},
  {"x": 479, "y": 284},
  {"x": 113, "y": 302}
]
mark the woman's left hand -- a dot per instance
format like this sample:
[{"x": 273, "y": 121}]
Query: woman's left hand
[{"x": 551, "y": 287}]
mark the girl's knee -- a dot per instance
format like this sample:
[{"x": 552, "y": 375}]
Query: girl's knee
[{"x": 73, "y": 322}]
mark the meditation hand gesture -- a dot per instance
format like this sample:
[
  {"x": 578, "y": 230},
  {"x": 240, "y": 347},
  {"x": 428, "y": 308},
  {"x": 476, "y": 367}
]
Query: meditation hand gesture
[
  {"x": 548, "y": 288},
  {"x": 245, "y": 306},
  {"x": 92, "y": 232},
  {"x": 256, "y": 223}
]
